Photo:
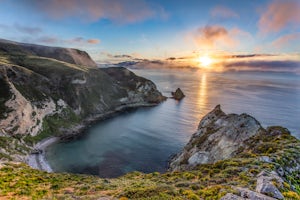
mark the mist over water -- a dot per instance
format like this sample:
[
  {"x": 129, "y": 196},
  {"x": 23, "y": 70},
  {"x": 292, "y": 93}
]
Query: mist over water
[{"x": 144, "y": 139}]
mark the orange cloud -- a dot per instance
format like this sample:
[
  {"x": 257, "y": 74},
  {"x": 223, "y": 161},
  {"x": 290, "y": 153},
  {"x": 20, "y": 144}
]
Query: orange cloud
[
  {"x": 93, "y": 41},
  {"x": 223, "y": 12},
  {"x": 92, "y": 10},
  {"x": 285, "y": 40},
  {"x": 210, "y": 37},
  {"x": 52, "y": 40},
  {"x": 279, "y": 15},
  {"x": 81, "y": 40}
]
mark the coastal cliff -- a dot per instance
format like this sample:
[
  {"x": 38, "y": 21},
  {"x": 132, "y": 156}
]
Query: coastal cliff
[
  {"x": 222, "y": 137},
  {"x": 44, "y": 94},
  {"x": 52, "y": 91},
  {"x": 219, "y": 136},
  {"x": 242, "y": 160}
]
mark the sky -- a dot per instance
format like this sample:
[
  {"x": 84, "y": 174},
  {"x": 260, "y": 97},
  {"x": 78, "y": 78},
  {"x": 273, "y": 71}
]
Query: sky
[{"x": 168, "y": 30}]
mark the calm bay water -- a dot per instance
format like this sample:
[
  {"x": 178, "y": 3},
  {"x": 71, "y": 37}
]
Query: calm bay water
[{"x": 144, "y": 139}]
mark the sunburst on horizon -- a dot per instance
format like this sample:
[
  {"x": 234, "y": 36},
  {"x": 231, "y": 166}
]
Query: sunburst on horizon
[{"x": 205, "y": 61}]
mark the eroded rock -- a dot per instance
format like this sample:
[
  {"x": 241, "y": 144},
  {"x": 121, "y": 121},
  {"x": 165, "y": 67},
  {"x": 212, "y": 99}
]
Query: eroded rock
[
  {"x": 265, "y": 184},
  {"x": 178, "y": 94},
  {"x": 251, "y": 195},
  {"x": 218, "y": 137}
]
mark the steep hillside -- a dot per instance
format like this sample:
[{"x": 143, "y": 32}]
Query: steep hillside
[
  {"x": 266, "y": 166},
  {"x": 45, "y": 96},
  {"x": 68, "y": 55}
]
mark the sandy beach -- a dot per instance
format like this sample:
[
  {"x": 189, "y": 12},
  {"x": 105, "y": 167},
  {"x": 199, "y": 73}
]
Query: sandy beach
[{"x": 38, "y": 160}]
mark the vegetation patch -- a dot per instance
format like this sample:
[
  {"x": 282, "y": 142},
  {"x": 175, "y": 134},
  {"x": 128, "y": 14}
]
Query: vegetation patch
[
  {"x": 5, "y": 95},
  {"x": 30, "y": 93},
  {"x": 45, "y": 66},
  {"x": 207, "y": 181},
  {"x": 54, "y": 125}
]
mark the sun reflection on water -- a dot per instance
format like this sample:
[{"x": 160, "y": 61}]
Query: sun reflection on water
[{"x": 202, "y": 94}]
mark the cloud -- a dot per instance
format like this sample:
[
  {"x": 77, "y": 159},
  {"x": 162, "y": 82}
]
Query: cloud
[
  {"x": 47, "y": 40},
  {"x": 122, "y": 56},
  {"x": 223, "y": 12},
  {"x": 28, "y": 29},
  {"x": 279, "y": 15},
  {"x": 52, "y": 40},
  {"x": 260, "y": 65},
  {"x": 223, "y": 62},
  {"x": 93, "y": 41},
  {"x": 210, "y": 37},
  {"x": 4, "y": 26},
  {"x": 112, "y": 59},
  {"x": 286, "y": 40},
  {"x": 109, "y": 55},
  {"x": 122, "y": 11},
  {"x": 236, "y": 65},
  {"x": 171, "y": 58},
  {"x": 249, "y": 55}
]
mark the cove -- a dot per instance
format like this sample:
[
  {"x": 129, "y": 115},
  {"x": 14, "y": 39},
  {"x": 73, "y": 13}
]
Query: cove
[
  {"x": 127, "y": 142},
  {"x": 145, "y": 138}
]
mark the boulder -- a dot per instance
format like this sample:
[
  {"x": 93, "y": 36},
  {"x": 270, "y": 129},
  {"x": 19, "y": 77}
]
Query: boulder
[
  {"x": 251, "y": 195},
  {"x": 265, "y": 184},
  {"x": 178, "y": 94},
  {"x": 37, "y": 151}
]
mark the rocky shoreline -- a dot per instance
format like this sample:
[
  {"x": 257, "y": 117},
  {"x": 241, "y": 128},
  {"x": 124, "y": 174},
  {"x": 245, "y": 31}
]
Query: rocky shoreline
[
  {"x": 37, "y": 158},
  {"x": 78, "y": 130},
  {"x": 52, "y": 95},
  {"x": 258, "y": 163},
  {"x": 222, "y": 138}
]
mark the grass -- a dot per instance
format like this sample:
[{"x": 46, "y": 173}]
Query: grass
[
  {"x": 46, "y": 66},
  {"x": 207, "y": 181},
  {"x": 10, "y": 146},
  {"x": 30, "y": 93}
]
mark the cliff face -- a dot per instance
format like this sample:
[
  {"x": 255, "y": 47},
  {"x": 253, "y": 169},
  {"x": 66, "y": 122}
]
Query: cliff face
[{"x": 45, "y": 96}]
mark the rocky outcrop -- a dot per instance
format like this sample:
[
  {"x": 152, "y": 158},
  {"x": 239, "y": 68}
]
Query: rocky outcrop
[
  {"x": 25, "y": 117},
  {"x": 265, "y": 188},
  {"x": 265, "y": 184},
  {"x": 246, "y": 194},
  {"x": 47, "y": 91},
  {"x": 218, "y": 137},
  {"x": 138, "y": 88},
  {"x": 228, "y": 138},
  {"x": 178, "y": 94},
  {"x": 266, "y": 167}
]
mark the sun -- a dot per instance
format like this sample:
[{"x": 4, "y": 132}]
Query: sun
[{"x": 205, "y": 61}]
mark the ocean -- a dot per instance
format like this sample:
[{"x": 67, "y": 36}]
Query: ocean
[{"x": 144, "y": 139}]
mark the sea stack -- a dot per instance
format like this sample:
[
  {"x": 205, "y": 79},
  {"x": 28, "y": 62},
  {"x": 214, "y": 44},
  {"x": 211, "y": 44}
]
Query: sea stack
[{"x": 178, "y": 94}]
